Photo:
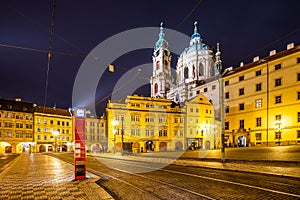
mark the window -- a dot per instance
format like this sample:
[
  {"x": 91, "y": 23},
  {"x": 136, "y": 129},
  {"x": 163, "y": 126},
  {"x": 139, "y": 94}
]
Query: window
[
  {"x": 241, "y": 78},
  {"x": 298, "y": 96},
  {"x": 278, "y": 66},
  {"x": 258, "y": 103},
  {"x": 226, "y": 125},
  {"x": 258, "y": 73},
  {"x": 227, "y": 95},
  {"x": 278, "y": 99},
  {"x": 176, "y": 120},
  {"x": 227, "y": 109},
  {"x": 191, "y": 109},
  {"x": 298, "y": 77},
  {"x": 241, "y": 91},
  {"x": 226, "y": 83},
  {"x": 39, "y": 121},
  {"x": 278, "y": 135},
  {"x": 213, "y": 87},
  {"x": 242, "y": 124},
  {"x": 278, "y": 117},
  {"x": 242, "y": 106},
  {"x": 51, "y": 122},
  {"x": 298, "y": 134},
  {"x": 258, "y": 87},
  {"x": 205, "y": 90},
  {"x": 197, "y": 110},
  {"x": 135, "y": 118},
  {"x": 39, "y": 137},
  {"x": 45, "y": 121},
  {"x": 258, "y": 121},
  {"x": 45, "y": 137},
  {"x": 298, "y": 116},
  {"x": 258, "y": 136},
  {"x": 277, "y": 82},
  {"x": 63, "y": 123},
  {"x": 157, "y": 65},
  {"x": 58, "y": 122},
  {"x": 38, "y": 129},
  {"x": 45, "y": 129},
  {"x": 149, "y": 132}
]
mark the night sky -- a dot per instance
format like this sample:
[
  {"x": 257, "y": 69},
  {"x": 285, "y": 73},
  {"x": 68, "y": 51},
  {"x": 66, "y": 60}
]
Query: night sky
[{"x": 244, "y": 30}]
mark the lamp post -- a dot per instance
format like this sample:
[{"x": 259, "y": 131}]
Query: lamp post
[
  {"x": 114, "y": 123},
  {"x": 278, "y": 127},
  {"x": 55, "y": 133}
]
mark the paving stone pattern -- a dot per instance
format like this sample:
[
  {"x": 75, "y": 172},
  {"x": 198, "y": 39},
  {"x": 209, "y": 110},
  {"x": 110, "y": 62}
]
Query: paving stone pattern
[{"x": 37, "y": 176}]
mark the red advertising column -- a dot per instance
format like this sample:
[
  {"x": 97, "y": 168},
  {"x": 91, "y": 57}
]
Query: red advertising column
[{"x": 79, "y": 152}]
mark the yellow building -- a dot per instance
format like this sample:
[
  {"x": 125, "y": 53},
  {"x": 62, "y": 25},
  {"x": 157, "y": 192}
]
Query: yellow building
[
  {"x": 158, "y": 124},
  {"x": 53, "y": 129},
  {"x": 96, "y": 140},
  {"x": 16, "y": 126},
  {"x": 263, "y": 100}
]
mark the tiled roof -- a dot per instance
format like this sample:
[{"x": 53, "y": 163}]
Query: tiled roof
[
  {"x": 53, "y": 111},
  {"x": 18, "y": 106}
]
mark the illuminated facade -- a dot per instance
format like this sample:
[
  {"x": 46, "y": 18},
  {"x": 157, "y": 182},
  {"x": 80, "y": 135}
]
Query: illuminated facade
[
  {"x": 263, "y": 100},
  {"x": 96, "y": 139},
  {"x": 53, "y": 128},
  {"x": 16, "y": 126},
  {"x": 158, "y": 124}
]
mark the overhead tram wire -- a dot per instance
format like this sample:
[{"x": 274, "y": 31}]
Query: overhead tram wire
[{"x": 49, "y": 53}]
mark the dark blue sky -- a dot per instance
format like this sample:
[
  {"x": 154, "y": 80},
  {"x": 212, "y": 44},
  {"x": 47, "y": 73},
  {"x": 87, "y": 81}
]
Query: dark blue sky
[{"x": 244, "y": 29}]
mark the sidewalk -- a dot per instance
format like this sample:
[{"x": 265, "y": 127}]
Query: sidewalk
[
  {"x": 38, "y": 176},
  {"x": 262, "y": 167}
]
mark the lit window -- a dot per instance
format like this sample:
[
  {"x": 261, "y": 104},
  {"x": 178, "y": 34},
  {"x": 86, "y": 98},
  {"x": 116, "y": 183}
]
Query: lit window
[
  {"x": 258, "y": 121},
  {"x": 258, "y": 136},
  {"x": 39, "y": 121},
  {"x": 258, "y": 103},
  {"x": 278, "y": 99},
  {"x": 278, "y": 82},
  {"x": 277, "y": 117},
  {"x": 277, "y": 67}
]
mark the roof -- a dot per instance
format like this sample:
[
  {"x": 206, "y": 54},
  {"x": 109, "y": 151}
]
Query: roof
[
  {"x": 53, "y": 111},
  {"x": 263, "y": 60},
  {"x": 16, "y": 105}
]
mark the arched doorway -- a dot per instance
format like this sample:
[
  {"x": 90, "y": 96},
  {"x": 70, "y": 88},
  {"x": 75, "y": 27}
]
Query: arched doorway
[
  {"x": 43, "y": 148},
  {"x": 207, "y": 145},
  {"x": 178, "y": 146},
  {"x": 163, "y": 146},
  {"x": 242, "y": 141},
  {"x": 5, "y": 147},
  {"x": 22, "y": 147},
  {"x": 149, "y": 146},
  {"x": 50, "y": 148}
]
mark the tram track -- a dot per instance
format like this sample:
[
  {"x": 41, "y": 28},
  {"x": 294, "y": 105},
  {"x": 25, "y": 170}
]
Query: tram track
[{"x": 177, "y": 184}]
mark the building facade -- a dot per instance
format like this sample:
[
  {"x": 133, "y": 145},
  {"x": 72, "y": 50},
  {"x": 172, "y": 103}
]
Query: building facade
[
  {"x": 16, "y": 126},
  {"x": 159, "y": 124},
  {"x": 262, "y": 100},
  {"x": 96, "y": 138},
  {"x": 53, "y": 128}
]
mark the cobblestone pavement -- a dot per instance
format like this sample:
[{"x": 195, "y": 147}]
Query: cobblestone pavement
[
  {"x": 38, "y": 176},
  {"x": 274, "y": 168}
]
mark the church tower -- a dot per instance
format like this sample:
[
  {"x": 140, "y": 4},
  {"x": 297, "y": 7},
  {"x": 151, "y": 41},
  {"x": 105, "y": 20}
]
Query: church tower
[{"x": 161, "y": 79}]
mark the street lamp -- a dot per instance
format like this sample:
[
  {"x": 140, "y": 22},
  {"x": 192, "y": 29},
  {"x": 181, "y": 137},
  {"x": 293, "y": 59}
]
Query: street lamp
[
  {"x": 114, "y": 123},
  {"x": 278, "y": 127},
  {"x": 55, "y": 133}
]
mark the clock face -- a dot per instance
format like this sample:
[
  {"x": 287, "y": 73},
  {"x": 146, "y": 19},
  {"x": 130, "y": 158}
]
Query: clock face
[{"x": 80, "y": 113}]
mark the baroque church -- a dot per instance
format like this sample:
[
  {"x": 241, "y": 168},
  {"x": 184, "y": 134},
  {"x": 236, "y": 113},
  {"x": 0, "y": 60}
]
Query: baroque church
[{"x": 197, "y": 71}]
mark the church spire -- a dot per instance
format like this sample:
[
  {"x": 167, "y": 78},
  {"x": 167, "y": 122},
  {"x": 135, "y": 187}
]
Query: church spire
[{"x": 161, "y": 42}]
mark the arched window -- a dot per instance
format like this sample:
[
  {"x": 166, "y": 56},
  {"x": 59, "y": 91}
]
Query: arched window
[
  {"x": 155, "y": 88},
  {"x": 165, "y": 63},
  {"x": 186, "y": 73},
  {"x": 157, "y": 65},
  {"x": 201, "y": 69}
]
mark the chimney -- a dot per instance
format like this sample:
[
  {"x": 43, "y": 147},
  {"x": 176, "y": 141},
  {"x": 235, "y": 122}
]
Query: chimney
[
  {"x": 256, "y": 59},
  {"x": 290, "y": 46},
  {"x": 273, "y": 52}
]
